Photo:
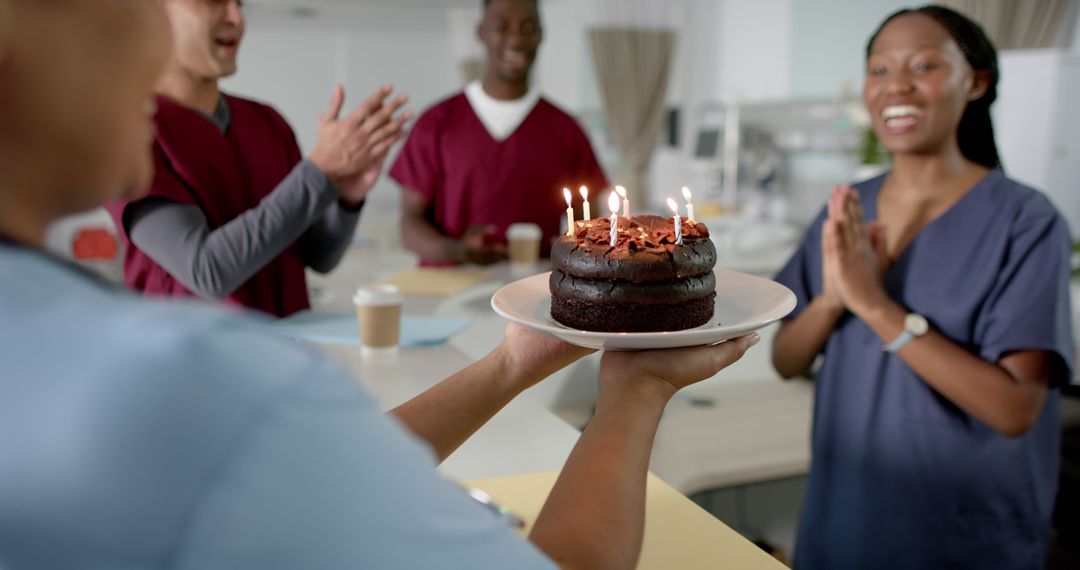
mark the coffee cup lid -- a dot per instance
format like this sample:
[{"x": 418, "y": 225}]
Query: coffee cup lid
[
  {"x": 524, "y": 231},
  {"x": 378, "y": 296}
]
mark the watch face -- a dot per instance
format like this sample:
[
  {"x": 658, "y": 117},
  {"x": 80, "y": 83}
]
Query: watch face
[{"x": 916, "y": 324}]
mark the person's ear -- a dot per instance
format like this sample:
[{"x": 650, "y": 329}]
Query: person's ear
[{"x": 980, "y": 82}]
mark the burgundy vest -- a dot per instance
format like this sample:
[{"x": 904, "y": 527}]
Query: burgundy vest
[{"x": 224, "y": 175}]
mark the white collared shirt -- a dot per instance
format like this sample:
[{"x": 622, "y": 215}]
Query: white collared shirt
[{"x": 500, "y": 118}]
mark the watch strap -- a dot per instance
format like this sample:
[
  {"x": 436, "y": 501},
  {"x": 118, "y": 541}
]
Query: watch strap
[{"x": 900, "y": 342}]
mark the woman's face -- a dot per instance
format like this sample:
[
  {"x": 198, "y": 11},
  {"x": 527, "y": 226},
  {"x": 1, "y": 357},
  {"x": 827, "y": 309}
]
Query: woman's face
[{"x": 918, "y": 84}]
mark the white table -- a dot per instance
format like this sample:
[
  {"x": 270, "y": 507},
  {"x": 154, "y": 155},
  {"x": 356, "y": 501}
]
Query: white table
[{"x": 756, "y": 429}]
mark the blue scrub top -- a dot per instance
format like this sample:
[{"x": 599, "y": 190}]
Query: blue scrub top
[
  {"x": 901, "y": 477},
  {"x": 141, "y": 435}
]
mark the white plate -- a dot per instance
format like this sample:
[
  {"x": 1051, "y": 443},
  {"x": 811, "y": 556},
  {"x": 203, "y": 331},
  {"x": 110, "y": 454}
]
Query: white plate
[{"x": 744, "y": 303}]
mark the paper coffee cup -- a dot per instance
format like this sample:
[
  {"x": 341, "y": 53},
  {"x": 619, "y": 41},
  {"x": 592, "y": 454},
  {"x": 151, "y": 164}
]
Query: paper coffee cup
[
  {"x": 524, "y": 243},
  {"x": 378, "y": 313}
]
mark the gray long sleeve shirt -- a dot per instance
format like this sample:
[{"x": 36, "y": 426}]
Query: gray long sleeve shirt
[{"x": 215, "y": 263}]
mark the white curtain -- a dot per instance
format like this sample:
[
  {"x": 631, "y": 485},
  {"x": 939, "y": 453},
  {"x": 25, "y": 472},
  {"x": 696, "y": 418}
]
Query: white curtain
[
  {"x": 1019, "y": 24},
  {"x": 633, "y": 67}
]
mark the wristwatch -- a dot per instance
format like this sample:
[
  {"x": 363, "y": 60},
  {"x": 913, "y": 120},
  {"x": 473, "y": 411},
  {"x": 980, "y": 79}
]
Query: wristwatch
[{"x": 915, "y": 325}]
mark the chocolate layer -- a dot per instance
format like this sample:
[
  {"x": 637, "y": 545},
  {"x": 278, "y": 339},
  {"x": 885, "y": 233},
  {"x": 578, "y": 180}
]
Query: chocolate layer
[
  {"x": 631, "y": 317},
  {"x": 617, "y": 291}
]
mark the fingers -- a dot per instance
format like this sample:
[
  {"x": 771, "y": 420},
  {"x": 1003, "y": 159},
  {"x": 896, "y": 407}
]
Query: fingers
[
  {"x": 334, "y": 109},
  {"x": 849, "y": 229},
  {"x": 727, "y": 353},
  {"x": 390, "y": 132},
  {"x": 381, "y": 116},
  {"x": 830, "y": 241},
  {"x": 681, "y": 367},
  {"x": 855, "y": 210},
  {"x": 487, "y": 255},
  {"x": 833, "y": 204},
  {"x": 369, "y": 105},
  {"x": 854, "y": 214},
  {"x": 481, "y": 230},
  {"x": 875, "y": 230}
]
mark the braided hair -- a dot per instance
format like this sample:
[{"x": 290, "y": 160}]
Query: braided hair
[{"x": 975, "y": 134}]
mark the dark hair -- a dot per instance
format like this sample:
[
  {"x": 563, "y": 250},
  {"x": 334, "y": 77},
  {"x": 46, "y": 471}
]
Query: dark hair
[{"x": 975, "y": 134}]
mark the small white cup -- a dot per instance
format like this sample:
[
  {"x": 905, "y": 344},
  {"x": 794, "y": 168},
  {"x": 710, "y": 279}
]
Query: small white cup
[
  {"x": 524, "y": 243},
  {"x": 378, "y": 314}
]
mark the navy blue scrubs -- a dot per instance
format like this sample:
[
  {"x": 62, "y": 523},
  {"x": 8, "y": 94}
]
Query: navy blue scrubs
[{"x": 901, "y": 477}]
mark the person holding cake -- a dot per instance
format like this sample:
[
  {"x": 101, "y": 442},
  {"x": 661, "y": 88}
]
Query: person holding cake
[
  {"x": 938, "y": 296},
  {"x": 494, "y": 155},
  {"x": 234, "y": 212},
  {"x": 142, "y": 434}
]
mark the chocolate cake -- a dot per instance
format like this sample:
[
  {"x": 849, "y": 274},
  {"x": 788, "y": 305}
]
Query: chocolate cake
[{"x": 645, "y": 283}]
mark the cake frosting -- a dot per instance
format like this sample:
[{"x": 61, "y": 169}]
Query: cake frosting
[{"x": 644, "y": 282}]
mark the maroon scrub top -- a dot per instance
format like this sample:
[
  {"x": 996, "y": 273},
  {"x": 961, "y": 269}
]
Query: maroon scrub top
[
  {"x": 471, "y": 179},
  {"x": 224, "y": 175}
]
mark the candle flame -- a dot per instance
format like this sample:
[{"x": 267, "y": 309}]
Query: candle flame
[
  {"x": 621, "y": 191},
  {"x": 686, "y": 193},
  {"x": 674, "y": 206},
  {"x": 584, "y": 193},
  {"x": 569, "y": 199},
  {"x": 613, "y": 203}
]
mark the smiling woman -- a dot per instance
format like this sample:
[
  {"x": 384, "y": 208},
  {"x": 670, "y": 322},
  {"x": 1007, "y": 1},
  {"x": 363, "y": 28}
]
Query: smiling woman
[
  {"x": 966, "y": 68},
  {"x": 938, "y": 295}
]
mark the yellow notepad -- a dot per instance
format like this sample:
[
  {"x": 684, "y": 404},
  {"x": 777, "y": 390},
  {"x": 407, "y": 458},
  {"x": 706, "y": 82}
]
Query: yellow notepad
[{"x": 429, "y": 282}]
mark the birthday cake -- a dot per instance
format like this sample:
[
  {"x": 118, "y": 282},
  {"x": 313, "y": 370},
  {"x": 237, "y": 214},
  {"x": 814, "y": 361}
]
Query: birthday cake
[{"x": 644, "y": 282}]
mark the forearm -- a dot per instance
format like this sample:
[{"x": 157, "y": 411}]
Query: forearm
[
  {"x": 800, "y": 340},
  {"x": 422, "y": 238},
  {"x": 595, "y": 514},
  {"x": 324, "y": 244},
  {"x": 983, "y": 390},
  {"x": 214, "y": 264},
  {"x": 449, "y": 413}
]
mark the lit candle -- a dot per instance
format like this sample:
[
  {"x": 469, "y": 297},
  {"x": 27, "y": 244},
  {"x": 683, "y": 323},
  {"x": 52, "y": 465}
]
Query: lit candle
[
  {"x": 569, "y": 212},
  {"x": 613, "y": 203},
  {"x": 585, "y": 200},
  {"x": 625, "y": 202},
  {"x": 678, "y": 221},
  {"x": 689, "y": 206}
]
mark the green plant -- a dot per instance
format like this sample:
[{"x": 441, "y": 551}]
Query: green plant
[
  {"x": 1076, "y": 259},
  {"x": 871, "y": 151}
]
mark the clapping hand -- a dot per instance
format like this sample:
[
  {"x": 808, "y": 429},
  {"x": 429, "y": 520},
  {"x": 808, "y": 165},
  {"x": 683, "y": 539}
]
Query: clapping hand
[
  {"x": 853, "y": 254},
  {"x": 351, "y": 150}
]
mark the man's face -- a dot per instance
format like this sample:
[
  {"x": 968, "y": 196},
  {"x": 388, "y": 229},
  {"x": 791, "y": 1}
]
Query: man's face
[
  {"x": 78, "y": 116},
  {"x": 511, "y": 33},
  {"x": 206, "y": 36}
]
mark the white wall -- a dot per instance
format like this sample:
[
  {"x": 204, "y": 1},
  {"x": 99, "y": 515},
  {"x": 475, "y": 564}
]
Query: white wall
[
  {"x": 755, "y": 49},
  {"x": 293, "y": 63},
  {"x": 828, "y": 42},
  {"x": 1035, "y": 129}
]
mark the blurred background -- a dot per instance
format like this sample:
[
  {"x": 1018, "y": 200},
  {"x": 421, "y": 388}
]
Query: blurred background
[
  {"x": 762, "y": 112},
  {"x": 789, "y": 72}
]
